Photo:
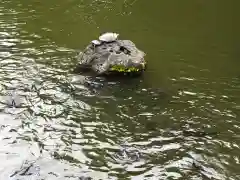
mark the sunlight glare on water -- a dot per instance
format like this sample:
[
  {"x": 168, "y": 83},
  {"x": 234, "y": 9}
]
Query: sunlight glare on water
[{"x": 180, "y": 120}]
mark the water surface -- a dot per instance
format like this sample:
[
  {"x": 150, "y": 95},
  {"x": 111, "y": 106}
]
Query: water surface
[{"x": 180, "y": 120}]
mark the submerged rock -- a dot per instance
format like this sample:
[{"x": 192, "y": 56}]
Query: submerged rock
[{"x": 115, "y": 56}]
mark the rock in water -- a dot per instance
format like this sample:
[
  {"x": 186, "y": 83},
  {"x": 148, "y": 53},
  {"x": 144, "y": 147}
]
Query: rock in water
[{"x": 112, "y": 56}]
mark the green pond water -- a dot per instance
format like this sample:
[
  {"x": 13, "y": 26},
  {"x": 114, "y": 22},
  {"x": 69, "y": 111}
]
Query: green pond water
[{"x": 180, "y": 120}]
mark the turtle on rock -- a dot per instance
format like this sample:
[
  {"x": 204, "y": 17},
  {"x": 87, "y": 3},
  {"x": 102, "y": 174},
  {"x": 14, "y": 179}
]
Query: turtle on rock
[
  {"x": 111, "y": 55},
  {"x": 96, "y": 42},
  {"x": 105, "y": 38},
  {"x": 108, "y": 37}
]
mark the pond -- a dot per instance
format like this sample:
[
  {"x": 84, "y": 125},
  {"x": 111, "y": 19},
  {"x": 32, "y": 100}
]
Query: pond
[{"x": 180, "y": 120}]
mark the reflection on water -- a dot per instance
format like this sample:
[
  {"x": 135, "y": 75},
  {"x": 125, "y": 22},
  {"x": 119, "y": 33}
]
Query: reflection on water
[{"x": 58, "y": 125}]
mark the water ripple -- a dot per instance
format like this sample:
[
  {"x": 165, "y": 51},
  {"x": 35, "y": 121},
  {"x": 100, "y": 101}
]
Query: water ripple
[{"x": 57, "y": 125}]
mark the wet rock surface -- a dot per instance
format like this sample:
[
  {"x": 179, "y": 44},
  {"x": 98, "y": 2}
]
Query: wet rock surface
[{"x": 120, "y": 56}]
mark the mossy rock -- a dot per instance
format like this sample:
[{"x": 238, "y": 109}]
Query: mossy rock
[{"x": 120, "y": 56}]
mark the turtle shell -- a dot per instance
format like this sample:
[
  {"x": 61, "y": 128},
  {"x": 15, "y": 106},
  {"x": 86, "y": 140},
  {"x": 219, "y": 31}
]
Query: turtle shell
[
  {"x": 108, "y": 37},
  {"x": 96, "y": 42}
]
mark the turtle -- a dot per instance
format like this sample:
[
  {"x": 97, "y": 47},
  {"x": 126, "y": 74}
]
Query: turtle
[
  {"x": 96, "y": 42},
  {"x": 108, "y": 37},
  {"x": 105, "y": 38}
]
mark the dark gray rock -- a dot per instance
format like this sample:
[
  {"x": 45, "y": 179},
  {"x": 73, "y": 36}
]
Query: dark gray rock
[{"x": 121, "y": 56}]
